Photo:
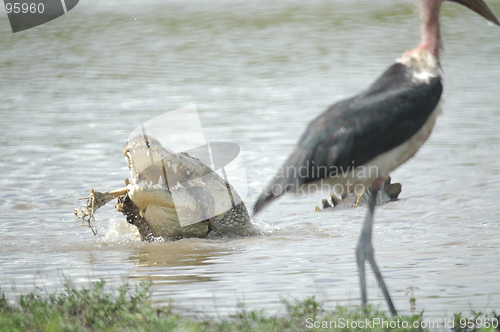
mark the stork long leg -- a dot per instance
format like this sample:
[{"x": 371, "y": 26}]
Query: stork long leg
[{"x": 365, "y": 252}]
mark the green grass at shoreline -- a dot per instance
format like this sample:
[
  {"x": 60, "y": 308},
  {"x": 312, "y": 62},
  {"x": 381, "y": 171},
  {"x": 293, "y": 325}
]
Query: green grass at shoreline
[{"x": 126, "y": 309}]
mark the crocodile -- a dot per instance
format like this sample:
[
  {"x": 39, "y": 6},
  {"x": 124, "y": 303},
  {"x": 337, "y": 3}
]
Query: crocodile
[{"x": 175, "y": 195}]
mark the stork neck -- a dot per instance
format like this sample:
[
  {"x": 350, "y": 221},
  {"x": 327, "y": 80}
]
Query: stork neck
[{"x": 430, "y": 26}]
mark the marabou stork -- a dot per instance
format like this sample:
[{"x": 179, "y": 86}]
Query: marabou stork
[{"x": 378, "y": 129}]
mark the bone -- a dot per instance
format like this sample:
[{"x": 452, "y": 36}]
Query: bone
[{"x": 118, "y": 192}]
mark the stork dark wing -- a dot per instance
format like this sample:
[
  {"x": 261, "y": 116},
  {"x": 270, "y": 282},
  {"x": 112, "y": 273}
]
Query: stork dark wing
[{"x": 356, "y": 130}]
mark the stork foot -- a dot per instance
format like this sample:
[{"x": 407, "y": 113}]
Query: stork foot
[{"x": 366, "y": 253}]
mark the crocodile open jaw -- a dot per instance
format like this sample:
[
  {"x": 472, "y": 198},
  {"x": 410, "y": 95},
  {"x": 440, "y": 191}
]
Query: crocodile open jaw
[{"x": 178, "y": 181}]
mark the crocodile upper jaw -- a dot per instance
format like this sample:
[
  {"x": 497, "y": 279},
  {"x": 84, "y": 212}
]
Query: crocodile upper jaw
[{"x": 164, "y": 178}]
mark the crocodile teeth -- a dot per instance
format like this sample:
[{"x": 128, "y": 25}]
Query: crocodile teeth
[
  {"x": 177, "y": 186},
  {"x": 160, "y": 181},
  {"x": 147, "y": 151},
  {"x": 174, "y": 167}
]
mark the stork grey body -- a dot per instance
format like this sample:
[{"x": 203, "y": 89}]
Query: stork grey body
[{"x": 378, "y": 129}]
